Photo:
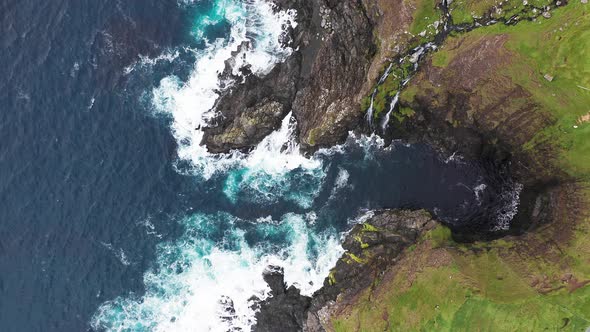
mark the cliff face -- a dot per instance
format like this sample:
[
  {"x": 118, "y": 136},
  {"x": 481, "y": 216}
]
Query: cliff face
[
  {"x": 513, "y": 92},
  {"x": 319, "y": 82}
]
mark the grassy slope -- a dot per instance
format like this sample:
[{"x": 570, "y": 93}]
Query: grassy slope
[
  {"x": 532, "y": 283},
  {"x": 483, "y": 287},
  {"x": 465, "y": 11},
  {"x": 559, "y": 47}
]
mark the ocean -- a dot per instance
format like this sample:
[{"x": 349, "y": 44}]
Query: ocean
[{"x": 114, "y": 218}]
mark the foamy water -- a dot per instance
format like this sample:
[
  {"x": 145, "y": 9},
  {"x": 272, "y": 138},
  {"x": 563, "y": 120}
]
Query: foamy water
[
  {"x": 204, "y": 281},
  {"x": 197, "y": 279},
  {"x": 191, "y": 103}
]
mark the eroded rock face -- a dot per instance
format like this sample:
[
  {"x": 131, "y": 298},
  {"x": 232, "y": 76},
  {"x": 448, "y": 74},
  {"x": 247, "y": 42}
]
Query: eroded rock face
[
  {"x": 320, "y": 82},
  {"x": 327, "y": 105},
  {"x": 469, "y": 104},
  {"x": 246, "y": 128},
  {"x": 371, "y": 248}
]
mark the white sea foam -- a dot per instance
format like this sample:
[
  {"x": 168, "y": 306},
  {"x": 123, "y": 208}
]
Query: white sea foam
[
  {"x": 269, "y": 172},
  {"x": 478, "y": 192},
  {"x": 510, "y": 201},
  {"x": 190, "y": 104},
  {"x": 197, "y": 278},
  {"x": 341, "y": 182},
  {"x": 206, "y": 278},
  {"x": 119, "y": 253},
  {"x": 168, "y": 56}
]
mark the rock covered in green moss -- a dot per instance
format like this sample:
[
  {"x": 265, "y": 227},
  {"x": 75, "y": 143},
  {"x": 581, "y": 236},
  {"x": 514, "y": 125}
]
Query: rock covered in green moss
[{"x": 371, "y": 248}]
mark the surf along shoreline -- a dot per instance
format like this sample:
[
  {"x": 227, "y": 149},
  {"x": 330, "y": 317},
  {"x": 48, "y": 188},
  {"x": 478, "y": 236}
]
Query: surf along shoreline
[{"x": 444, "y": 103}]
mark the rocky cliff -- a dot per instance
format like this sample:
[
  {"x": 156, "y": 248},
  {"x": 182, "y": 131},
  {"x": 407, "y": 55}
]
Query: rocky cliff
[
  {"x": 371, "y": 248},
  {"x": 318, "y": 83},
  {"x": 505, "y": 81}
]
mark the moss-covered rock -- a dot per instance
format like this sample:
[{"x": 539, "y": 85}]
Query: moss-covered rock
[
  {"x": 536, "y": 282},
  {"x": 371, "y": 248},
  {"x": 247, "y": 128}
]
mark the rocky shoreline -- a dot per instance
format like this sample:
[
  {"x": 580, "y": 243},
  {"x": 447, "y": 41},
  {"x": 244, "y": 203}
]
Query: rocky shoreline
[
  {"x": 455, "y": 101},
  {"x": 371, "y": 248},
  {"x": 318, "y": 83}
]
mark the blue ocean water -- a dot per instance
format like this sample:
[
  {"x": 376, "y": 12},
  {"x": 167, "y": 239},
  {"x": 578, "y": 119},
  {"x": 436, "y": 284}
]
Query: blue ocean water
[{"x": 111, "y": 215}]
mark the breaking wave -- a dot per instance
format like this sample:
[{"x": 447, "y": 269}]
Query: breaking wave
[{"x": 209, "y": 278}]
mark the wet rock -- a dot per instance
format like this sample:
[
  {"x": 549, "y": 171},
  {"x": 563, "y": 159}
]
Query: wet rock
[
  {"x": 247, "y": 127},
  {"x": 228, "y": 312},
  {"x": 319, "y": 82},
  {"x": 286, "y": 308},
  {"x": 327, "y": 105}
]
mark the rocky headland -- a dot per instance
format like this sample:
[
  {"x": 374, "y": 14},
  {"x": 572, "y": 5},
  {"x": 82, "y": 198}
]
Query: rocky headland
[{"x": 508, "y": 82}]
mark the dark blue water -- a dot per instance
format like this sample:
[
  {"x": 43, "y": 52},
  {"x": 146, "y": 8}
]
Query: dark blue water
[{"x": 87, "y": 184}]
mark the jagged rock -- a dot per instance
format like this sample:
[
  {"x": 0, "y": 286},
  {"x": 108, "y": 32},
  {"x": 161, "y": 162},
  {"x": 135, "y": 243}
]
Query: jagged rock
[
  {"x": 250, "y": 125},
  {"x": 286, "y": 308},
  {"x": 327, "y": 105},
  {"x": 371, "y": 248},
  {"x": 319, "y": 82}
]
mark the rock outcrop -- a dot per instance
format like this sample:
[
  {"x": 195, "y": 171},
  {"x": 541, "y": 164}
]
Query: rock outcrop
[
  {"x": 370, "y": 249},
  {"x": 319, "y": 82},
  {"x": 286, "y": 309}
]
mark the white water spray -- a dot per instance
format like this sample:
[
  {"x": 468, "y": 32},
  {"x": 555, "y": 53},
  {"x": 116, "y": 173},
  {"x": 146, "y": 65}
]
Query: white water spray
[{"x": 385, "y": 122}]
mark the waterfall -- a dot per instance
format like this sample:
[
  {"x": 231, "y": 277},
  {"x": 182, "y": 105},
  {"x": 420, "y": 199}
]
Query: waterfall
[
  {"x": 370, "y": 110},
  {"x": 391, "y": 108}
]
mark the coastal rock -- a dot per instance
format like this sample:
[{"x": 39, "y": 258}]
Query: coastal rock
[
  {"x": 371, "y": 248},
  {"x": 319, "y": 82},
  {"x": 246, "y": 128},
  {"x": 286, "y": 308},
  {"x": 327, "y": 105},
  {"x": 469, "y": 105}
]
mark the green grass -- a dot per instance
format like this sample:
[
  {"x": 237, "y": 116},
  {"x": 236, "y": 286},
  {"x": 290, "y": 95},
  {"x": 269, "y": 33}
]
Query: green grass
[
  {"x": 388, "y": 89},
  {"x": 464, "y": 11},
  {"x": 560, "y": 47},
  {"x": 477, "y": 291},
  {"x": 440, "y": 236},
  {"x": 425, "y": 15},
  {"x": 490, "y": 286}
]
